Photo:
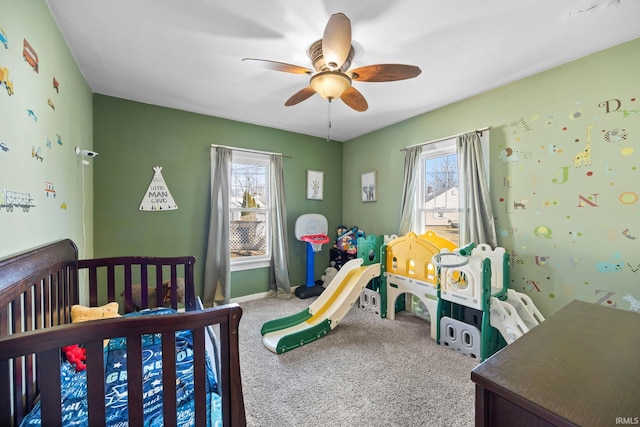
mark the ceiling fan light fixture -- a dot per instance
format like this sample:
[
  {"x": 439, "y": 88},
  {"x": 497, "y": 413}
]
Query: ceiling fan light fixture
[{"x": 330, "y": 84}]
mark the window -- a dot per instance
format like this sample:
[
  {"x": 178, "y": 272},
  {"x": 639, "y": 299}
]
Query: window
[
  {"x": 437, "y": 190},
  {"x": 438, "y": 206},
  {"x": 249, "y": 204}
]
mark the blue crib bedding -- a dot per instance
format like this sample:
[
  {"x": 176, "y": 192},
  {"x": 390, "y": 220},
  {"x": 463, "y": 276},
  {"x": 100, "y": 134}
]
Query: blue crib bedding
[{"x": 74, "y": 389}]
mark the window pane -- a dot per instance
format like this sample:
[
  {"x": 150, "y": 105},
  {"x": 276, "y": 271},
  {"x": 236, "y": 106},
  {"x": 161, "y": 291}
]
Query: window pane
[
  {"x": 446, "y": 225},
  {"x": 441, "y": 182},
  {"x": 248, "y": 233},
  {"x": 438, "y": 201},
  {"x": 248, "y": 185}
]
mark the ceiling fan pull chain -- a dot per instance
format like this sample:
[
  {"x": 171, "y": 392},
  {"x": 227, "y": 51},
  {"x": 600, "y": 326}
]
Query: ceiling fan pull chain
[{"x": 329, "y": 121}]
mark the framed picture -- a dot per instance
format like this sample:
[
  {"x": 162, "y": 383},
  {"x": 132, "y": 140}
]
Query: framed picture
[
  {"x": 369, "y": 187},
  {"x": 315, "y": 184}
]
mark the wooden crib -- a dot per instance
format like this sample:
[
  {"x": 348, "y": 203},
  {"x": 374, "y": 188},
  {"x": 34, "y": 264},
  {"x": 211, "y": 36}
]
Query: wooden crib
[{"x": 37, "y": 291}]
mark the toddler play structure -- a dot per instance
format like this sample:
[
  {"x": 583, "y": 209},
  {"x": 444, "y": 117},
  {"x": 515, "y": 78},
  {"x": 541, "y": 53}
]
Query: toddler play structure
[
  {"x": 408, "y": 270},
  {"x": 464, "y": 292},
  {"x": 477, "y": 312}
]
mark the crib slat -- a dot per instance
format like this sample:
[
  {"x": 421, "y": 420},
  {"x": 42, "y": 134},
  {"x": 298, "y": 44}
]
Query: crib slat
[
  {"x": 93, "y": 286},
  {"x": 30, "y": 385},
  {"x": 111, "y": 274},
  {"x": 5, "y": 404},
  {"x": 169, "y": 379},
  {"x": 49, "y": 365},
  {"x": 18, "y": 365},
  {"x": 95, "y": 383},
  {"x": 144, "y": 285},
  {"x": 158, "y": 286},
  {"x": 66, "y": 295},
  {"x": 47, "y": 316},
  {"x": 127, "y": 284},
  {"x": 174, "y": 288},
  {"x": 199, "y": 376},
  {"x": 134, "y": 380}
]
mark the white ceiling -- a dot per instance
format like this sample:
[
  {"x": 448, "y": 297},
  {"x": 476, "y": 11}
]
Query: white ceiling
[{"x": 187, "y": 54}]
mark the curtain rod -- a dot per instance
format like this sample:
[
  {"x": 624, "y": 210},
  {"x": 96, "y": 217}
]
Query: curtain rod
[
  {"x": 249, "y": 150},
  {"x": 446, "y": 137}
]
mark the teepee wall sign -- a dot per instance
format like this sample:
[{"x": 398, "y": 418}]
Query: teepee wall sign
[{"x": 158, "y": 197}]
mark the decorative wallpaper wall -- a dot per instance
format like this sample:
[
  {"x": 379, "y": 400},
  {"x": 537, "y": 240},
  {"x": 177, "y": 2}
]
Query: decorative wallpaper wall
[
  {"x": 567, "y": 192},
  {"x": 45, "y": 112}
]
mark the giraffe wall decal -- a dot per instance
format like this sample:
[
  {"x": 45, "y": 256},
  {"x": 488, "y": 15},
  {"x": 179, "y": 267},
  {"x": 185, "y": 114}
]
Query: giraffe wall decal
[{"x": 584, "y": 157}]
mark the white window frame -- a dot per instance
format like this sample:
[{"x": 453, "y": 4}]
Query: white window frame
[
  {"x": 257, "y": 261},
  {"x": 437, "y": 149},
  {"x": 429, "y": 151}
]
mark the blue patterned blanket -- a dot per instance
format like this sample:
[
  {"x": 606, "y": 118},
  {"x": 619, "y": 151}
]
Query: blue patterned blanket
[{"x": 74, "y": 388}]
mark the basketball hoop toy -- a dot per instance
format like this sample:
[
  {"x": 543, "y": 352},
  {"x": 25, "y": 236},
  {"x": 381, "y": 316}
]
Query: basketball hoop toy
[
  {"x": 316, "y": 241},
  {"x": 449, "y": 259},
  {"x": 311, "y": 229},
  {"x": 314, "y": 244}
]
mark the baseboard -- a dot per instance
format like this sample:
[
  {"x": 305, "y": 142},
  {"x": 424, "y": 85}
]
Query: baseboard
[{"x": 252, "y": 297}]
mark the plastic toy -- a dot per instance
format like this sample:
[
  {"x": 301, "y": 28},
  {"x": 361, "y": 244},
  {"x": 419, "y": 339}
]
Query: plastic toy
[
  {"x": 409, "y": 270},
  {"x": 327, "y": 277},
  {"x": 463, "y": 290},
  {"x": 478, "y": 314},
  {"x": 347, "y": 239},
  {"x": 312, "y": 229},
  {"x": 340, "y": 230},
  {"x": 324, "y": 314},
  {"x": 76, "y": 355}
]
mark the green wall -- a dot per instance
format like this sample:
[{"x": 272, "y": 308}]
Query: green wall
[
  {"x": 41, "y": 153},
  {"x": 132, "y": 138},
  {"x": 575, "y": 238},
  {"x": 571, "y": 227}
]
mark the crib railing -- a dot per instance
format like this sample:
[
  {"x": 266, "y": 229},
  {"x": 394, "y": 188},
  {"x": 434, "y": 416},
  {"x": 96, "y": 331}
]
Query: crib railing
[{"x": 115, "y": 279}]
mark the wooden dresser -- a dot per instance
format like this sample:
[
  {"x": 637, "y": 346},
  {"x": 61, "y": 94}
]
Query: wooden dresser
[{"x": 580, "y": 367}]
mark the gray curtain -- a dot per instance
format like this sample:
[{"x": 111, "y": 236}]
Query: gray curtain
[
  {"x": 217, "y": 268},
  {"x": 279, "y": 284},
  {"x": 477, "y": 224},
  {"x": 411, "y": 164}
]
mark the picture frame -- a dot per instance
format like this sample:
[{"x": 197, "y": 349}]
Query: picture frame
[
  {"x": 315, "y": 184},
  {"x": 369, "y": 187}
]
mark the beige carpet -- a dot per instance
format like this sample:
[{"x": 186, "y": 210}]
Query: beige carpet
[{"x": 368, "y": 371}]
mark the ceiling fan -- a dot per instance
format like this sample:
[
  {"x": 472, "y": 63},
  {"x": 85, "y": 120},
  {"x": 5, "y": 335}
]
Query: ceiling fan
[{"x": 331, "y": 77}]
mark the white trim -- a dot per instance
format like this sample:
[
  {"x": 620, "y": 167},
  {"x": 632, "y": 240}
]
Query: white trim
[
  {"x": 241, "y": 265},
  {"x": 253, "y": 297},
  {"x": 249, "y": 150},
  {"x": 260, "y": 159}
]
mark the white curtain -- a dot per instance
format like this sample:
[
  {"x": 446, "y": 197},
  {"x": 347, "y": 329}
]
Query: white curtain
[
  {"x": 279, "y": 284},
  {"x": 477, "y": 223},
  {"x": 411, "y": 165},
  {"x": 217, "y": 268}
]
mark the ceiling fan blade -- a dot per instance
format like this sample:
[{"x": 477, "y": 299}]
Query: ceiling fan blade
[
  {"x": 354, "y": 99},
  {"x": 385, "y": 72},
  {"x": 336, "y": 41},
  {"x": 278, "y": 66},
  {"x": 300, "y": 96}
]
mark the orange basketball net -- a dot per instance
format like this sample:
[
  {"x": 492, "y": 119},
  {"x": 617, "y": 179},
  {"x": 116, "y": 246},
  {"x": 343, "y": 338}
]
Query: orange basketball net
[{"x": 316, "y": 241}]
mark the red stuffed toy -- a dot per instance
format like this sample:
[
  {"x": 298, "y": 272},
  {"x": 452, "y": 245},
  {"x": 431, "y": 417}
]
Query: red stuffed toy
[{"x": 76, "y": 355}]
